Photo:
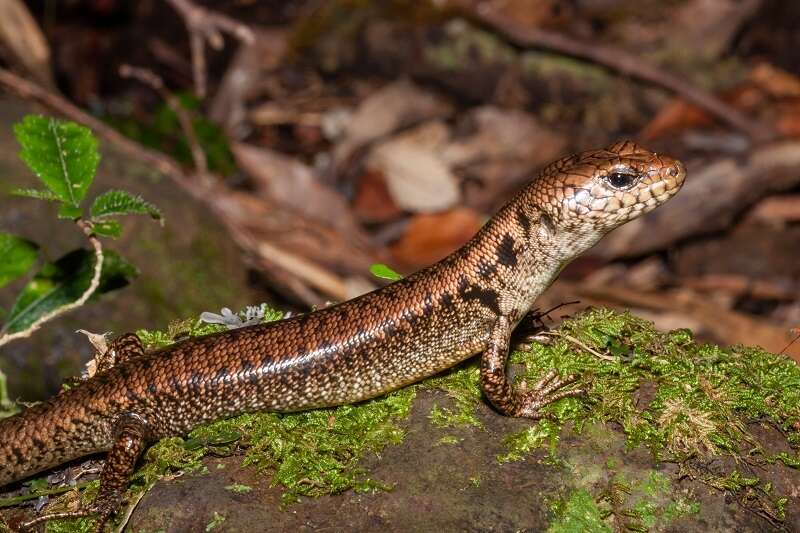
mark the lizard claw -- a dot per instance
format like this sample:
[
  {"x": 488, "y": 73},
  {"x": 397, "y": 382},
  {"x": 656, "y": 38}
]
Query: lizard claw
[{"x": 545, "y": 392}]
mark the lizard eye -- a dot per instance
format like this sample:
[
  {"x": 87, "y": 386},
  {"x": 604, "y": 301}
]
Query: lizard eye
[{"x": 621, "y": 179}]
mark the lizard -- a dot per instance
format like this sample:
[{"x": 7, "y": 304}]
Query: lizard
[{"x": 467, "y": 303}]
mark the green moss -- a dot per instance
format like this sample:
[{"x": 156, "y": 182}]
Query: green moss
[
  {"x": 642, "y": 504},
  {"x": 578, "y": 513},
  {"x": 216, "y": 521},
  {"x": 462, "y": 384},
  {"x": 238, "y": 488},
  {"x": 521, "y": 443}
]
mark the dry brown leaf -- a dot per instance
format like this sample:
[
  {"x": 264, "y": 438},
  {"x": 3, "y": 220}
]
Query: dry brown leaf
[
  {"x": 787, "y": 120},
  {"x": 396, "y": 105},
  {"x": 777, "y": 82},
  {"x": 781, "y": 209},
  {"x": 245, "y": 72},
  {"x": 417, "y": 177},
  {"x": 291, "y": 183},
  {"x": 373, "y": 203},
  {"x": 429, "y": 238},
  {"x": 677, "y": 115},
  {"x": 502, "y": 148},
  {"x": 765, "y": 84},
  {"x": 506, "y": 134}
]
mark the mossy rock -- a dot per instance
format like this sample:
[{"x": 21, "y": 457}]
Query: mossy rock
[{"x": 671, "y": 436}]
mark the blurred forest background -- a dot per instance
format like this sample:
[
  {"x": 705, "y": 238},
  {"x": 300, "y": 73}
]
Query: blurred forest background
[{"x": 292, "y": 145}]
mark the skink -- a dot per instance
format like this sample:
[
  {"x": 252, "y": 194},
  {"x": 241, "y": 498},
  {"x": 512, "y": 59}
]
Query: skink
[{"x": 467, "y": 303}]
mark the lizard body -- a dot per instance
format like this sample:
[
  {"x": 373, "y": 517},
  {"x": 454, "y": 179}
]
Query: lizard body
[{"x": 416, "y": 327}]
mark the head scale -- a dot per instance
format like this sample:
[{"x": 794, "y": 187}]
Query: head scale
[{"x": 594, "y": 192}]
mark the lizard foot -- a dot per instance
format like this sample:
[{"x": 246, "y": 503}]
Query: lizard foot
[{"x": 545, "y": 392}]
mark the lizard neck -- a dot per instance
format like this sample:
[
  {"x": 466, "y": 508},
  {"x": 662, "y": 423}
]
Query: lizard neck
[{"x": 519, "y": 253}]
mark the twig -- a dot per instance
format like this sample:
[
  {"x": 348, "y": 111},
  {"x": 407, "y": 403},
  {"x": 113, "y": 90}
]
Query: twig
[
  {"x": 575, "y": 341},
  {"x": 796, "y": 338},
  {"x": 206, "y": 25},
  {"x": 93, "y": 284},
  {"x": 614, "y": 59},
  {"x": 151, "y": 79}
]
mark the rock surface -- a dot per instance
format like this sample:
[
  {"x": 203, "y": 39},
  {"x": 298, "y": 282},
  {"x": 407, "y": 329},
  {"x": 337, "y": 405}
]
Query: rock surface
[{"x": 463, "y": 487}]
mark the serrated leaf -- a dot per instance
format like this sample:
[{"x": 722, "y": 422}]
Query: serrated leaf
[
  {"x": 379, "y": 270},
  {"x": 115, "y": 202},
  {"x": 60, "y": 283},
  {"x": 16, "y": 257},
  {"x": 36, "y": 193},
  {"x": 69, "y": 211},
  {"x": 62, "y": 154},
  {"x": 108, "y": 228}
]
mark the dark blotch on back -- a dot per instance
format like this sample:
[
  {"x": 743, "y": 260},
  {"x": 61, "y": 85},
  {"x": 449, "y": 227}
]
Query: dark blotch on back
[
  {"x": 427, "y": 310},
  {"x": 486, "y": 297},
  {"x": 486, "y": 269},
  {"x": 222, "y": 373},
  {"x": 505, "y": 251},
  {"x": 446, "y": 300}
]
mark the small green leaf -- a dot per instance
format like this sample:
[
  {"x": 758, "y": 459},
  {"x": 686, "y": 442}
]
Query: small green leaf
[
  {"x": 107, "y": 228},
  {"x": 16, "y": 257},
  {"x": 62, "y": 154},
  {"x": 122, "y": 203},
  {"x": 69, "y": 211},
  {"x": 36, "y": 193},
  {"x": 61, "y": 283},
  {"x": 379, "y": 270}
]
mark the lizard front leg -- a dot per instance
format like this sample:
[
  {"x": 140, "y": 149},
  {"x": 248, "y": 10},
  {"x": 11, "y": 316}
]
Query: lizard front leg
[
  {"x": 499, "y": 389},
  {"x": 130, "y": 437}
]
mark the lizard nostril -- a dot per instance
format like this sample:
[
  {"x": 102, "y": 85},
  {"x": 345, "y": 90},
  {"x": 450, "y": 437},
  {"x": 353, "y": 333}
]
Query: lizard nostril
[{"x": 673, "y": 171}]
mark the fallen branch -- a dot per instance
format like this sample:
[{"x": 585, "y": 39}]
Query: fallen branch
[
  {"x": 204, "y": 26},
  {"x": 86, "y": 227},
  {"x": 614, "y": 59}
]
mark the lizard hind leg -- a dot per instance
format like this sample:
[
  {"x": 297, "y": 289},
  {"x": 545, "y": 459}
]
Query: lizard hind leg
[
  {"x": 123, "y": 348},
  {"x": 130, "y": 438}
]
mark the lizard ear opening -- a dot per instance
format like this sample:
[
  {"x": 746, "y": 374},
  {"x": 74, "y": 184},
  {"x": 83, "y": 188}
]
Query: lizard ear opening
[{"x": 547, "y": 228}]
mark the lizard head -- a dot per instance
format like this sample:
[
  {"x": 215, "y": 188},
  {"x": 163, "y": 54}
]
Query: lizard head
[{"x": 596, "y": 191}]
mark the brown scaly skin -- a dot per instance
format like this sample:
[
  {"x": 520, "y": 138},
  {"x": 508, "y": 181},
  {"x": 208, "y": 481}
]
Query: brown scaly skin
[{"x": 467, "y": 303}]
